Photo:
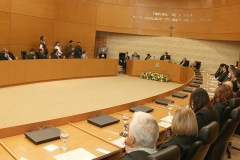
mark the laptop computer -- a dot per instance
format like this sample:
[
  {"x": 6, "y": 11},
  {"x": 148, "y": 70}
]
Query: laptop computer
[
  {"x": 141, "y": 108},
  {"x": 187, "y": 89},
  {"x": 179, "y": 95},
  {"x": 44, "y": 135},
  {"x": 103, "y": 120},
  {"x": 194, "y": 85},
  {"x": 164, "y": 101}
]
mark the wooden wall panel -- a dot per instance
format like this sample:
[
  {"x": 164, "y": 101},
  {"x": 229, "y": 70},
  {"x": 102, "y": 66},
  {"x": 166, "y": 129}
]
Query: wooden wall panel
[
  {"x": 219, "y": 3},
  {"x": 115, "y": 15},
  {"x": 65, "y": 31},
  {"x": 225, "y": 36},
  {"x": 155, "y": 3},
  {"x": 79, "y": 11},
  {"x": 121, "y": 2},
  {"x": 151, "y": 24},
  {"x": 226, "y": 20},
  {"x": 26, "y": 30},
  {"x": 5, "y": 5},
  {"x": 196, "y": 27},
  {"x": 4, "y": 27},
  {"x": 193, "y": 4},
  {"x": 36, "y": 8},
  {"x": 151, "y": 32},
  {"x": 114, "y": 29}
]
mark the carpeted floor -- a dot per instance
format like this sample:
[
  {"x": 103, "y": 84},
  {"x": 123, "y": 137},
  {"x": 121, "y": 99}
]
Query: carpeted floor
[{"x": 49, "y": 100}]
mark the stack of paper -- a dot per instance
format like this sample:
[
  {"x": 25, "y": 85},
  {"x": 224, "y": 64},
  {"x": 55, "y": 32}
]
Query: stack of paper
[
  {"x": 167, "y": 119},
  {"x": 164, "y": 124},
  {"x": 77, "y": 154}
]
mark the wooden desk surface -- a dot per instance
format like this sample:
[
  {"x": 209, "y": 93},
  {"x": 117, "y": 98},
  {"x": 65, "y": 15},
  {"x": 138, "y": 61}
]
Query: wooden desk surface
[
  {"x": 22, "y": 147},
  {"x": 4, "y": 155}
]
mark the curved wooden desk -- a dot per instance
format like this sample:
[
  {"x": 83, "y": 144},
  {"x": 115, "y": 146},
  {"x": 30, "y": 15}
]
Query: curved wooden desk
[{"x": 29, "y": 71}]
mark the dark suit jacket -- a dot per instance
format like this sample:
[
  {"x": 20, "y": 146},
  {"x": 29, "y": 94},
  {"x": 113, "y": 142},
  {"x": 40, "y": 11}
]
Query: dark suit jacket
[
  {"x": 186, "y": 63},
  {"x": 55, "y": 56},
  {"x": 136, "y": 155},
  {"x": 167, "y": 57},
  {"x": 78, "y": 52},
  {"x": 222, "y": 76},
  {"x": 41, "y": 56},
  {"x": 220, "y": 107},
  {"x": 11, "y": 55},
  {"x": 235, "y": 87}
]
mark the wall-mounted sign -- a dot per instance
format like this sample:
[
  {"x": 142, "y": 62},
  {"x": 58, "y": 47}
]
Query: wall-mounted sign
[{"x": 174, "y": 17}]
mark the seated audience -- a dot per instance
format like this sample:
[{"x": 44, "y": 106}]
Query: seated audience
[
  {"x": 223, "y": 94},
  {"x": 8, "y": 55},
  {"x": 234, "y": 77},
  {"x": 231, "y": 68},
  {"x": 71, "y": 56},
  {"x": 165, "y": 56},
  {"x": 41, "y": 54},
  {"x": 194, "y": 64},
  {"x": 58, "y": 47},
  {"x": 184, "y": 62},
  {"x": 142, "y": 135},
  {"x": 238, "y": 84},
  {"x": 184, "y": 125},
  {"x": 31, "y": 54},
  {"x": 148, "y": 57},
  {"x": 219, "y": 71},
  {"x": 55, "y": 54},
  {"x": 135, "y": 56},
  {"x": 223, "y": 74},
  {"x": 200, "y": 103},
  {"x": 84, "y": 55}
]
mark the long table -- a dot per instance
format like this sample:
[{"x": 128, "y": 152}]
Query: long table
[{"x": 30, "y": 71}]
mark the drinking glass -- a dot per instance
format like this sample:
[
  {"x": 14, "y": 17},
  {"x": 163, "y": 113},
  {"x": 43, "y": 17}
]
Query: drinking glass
[
  {"x": 64, "y": 135},
  {"x": 125, "y": 119},
  {"x": 170, "y": 107},
  {"x": 16, "y": 57}
]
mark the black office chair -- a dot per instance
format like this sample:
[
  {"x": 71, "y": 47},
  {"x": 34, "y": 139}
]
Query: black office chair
[
  {"x": 198, "y": 64},
  {"x": 169, "y": 153},
  {"x": 23, "y": 54},
  {"x": 207, "y": 135},
  {"x": 218, "y": 148}
]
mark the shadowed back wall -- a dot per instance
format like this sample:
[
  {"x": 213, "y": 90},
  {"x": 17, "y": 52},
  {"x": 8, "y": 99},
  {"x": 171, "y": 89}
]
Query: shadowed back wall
[
  {"x": 210, "y": 53},
  {"x": 22, "y": 22}
]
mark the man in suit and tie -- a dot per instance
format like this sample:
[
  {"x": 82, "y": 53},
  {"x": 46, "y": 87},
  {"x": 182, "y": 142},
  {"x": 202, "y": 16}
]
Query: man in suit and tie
[
  {"x": 41, "y": 54},
  {"x": 165, "y": 56},
  {"x": 78, "y": 51},
  {"x": 184, "y": 62},
  {"x": 8, "y": 55}
]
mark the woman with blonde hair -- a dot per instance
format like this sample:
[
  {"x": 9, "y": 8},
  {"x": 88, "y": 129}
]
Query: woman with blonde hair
[
  {"x": 184, "y": 125},
  {"x": 223, "y": 94}
]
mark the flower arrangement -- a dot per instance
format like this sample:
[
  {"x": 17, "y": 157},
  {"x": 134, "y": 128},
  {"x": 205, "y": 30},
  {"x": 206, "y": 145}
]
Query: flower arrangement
[{"x": 155, "y": 76}]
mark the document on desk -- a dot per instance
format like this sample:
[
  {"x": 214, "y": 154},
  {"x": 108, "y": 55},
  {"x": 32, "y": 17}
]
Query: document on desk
[
  {"x": 77, "y": 154},
  {"x": 164, "y": 124},
  {"x": 119, "y": 142},
  {"x": 167, "y": 119}
]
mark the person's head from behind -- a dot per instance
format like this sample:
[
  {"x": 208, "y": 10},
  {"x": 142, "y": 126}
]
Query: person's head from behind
[
  {"x": 41, "y": 50},
  {"x": 223, "y": 94},
  {"x": 235, "y": 74},
  {"x": 199, "y": 99},
  {"x": 32, "y": 51},
  {"x": 184, "y": 122},
  {"x": 70, "y": 42},
  {"x": 143, "y": 131}
]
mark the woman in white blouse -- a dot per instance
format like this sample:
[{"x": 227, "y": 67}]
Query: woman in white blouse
[{"x": 84, "y": 56}]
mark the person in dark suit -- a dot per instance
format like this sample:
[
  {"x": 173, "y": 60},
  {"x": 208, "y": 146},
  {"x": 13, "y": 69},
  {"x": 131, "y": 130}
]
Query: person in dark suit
[
  {"x": 31, "y": 54},
  {"x": 135, "y": 56},
  {"x": 78, "y": 51},
  {"x": 137, "y": 147},
  {"x": 8, "y": 55},
  {"x": 41, "y": 54},
  {"x": 184, "y": 62},
  {"x": 234, "y": 77},
  {"x": 148, "y": 57},
  {"x": 123, "y": 60},
  {"x": 43, "y": 45},
  {"x": 184, "y": 125},
  {"x": 165, "y": 56},
  {"x": 223, "y": 74},
  {"x": 200, "y": 103},
  {"x": 55, "y": 54}
]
